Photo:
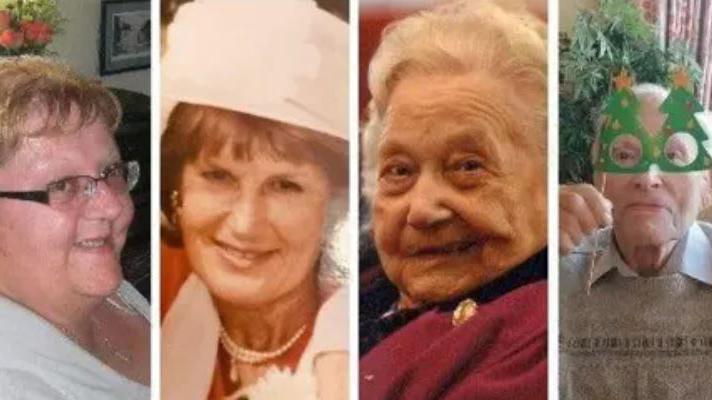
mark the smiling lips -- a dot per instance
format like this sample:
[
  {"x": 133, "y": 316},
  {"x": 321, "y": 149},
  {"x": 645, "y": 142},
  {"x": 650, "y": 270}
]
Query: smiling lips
[
  {"x": 97, "y": 245},
  {"x": 449, "y": 249},
  {"x": 242, "y": 257}
]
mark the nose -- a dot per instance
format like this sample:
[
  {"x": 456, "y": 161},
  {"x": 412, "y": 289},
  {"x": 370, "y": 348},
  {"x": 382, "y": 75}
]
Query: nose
[
  {"x": 246, "y": 214},
  {"x": 427, "y": 208},
  {"x": 105, "y": 203},
  {"x": 647, "y": 180}
]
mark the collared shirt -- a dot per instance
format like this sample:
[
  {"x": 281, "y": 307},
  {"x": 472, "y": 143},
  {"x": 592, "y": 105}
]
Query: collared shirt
[{"x": 692, "y": 256}]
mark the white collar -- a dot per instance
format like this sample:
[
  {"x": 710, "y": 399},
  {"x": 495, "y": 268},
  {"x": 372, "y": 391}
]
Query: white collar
[{"x": 693, "y": 254}]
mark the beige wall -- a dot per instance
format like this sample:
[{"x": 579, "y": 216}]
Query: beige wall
[
  {"x": 79, "y": 45},
  {"x": 567, "y": 12}
]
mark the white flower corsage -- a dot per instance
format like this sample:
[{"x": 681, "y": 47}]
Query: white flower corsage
[{"x": 279, "y": 384}]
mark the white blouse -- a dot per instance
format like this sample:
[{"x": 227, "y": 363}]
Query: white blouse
[{"x": 38, "y": 362}]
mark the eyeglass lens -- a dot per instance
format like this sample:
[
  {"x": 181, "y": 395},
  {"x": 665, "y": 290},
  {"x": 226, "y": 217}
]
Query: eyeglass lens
[{"x": 120, "y": 179}]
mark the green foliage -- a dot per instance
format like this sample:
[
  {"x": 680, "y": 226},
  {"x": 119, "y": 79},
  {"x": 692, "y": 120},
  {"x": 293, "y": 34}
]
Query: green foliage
[
  {"x": 615, "y": 36},
  {"x": 43, "y": 10}
]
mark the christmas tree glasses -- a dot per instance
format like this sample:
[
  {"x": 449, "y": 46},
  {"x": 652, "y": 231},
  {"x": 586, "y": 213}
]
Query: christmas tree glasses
[{"x": 680, "y": 146}]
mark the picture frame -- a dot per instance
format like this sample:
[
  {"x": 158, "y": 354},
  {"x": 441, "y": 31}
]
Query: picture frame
[{"x": 125, "y": 36}]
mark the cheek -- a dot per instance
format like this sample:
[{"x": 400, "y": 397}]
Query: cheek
[
  {"x": 389, "y": 218},
  {"x": 43, "y": 238},
  {"x": 689, "y": 196},
  {"x": 198, "y": 214},
  {"x": 614, "y": 188},
  {"x": 297, "y": 222},
  {"x": 122, "y": 223}
]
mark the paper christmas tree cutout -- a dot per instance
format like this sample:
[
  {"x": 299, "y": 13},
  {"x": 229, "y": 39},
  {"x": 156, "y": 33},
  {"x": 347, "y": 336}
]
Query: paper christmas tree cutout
[
  {"x": 681, "y": 145},
  {"x": 682, "y": 110}
]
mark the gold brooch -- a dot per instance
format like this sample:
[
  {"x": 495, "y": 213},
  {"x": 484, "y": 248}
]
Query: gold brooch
[{"x": 463, "y": 312}]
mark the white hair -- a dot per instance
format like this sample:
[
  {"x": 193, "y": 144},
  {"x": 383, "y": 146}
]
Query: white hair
[{"x": 503, "y": 39}]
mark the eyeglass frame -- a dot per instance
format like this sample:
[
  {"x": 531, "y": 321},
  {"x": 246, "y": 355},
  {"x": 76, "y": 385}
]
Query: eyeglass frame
[{"x": 42, "y": 196}]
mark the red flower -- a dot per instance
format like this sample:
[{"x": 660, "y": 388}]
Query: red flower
[
  {"x": 10, "y": 39},
  {"x": 5, "y": 20},
  {"x": 37, "y": 32}
]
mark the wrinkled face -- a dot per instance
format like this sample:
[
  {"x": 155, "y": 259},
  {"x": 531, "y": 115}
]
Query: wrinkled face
[
  {"x": 654, "y": 208},
  {"x": 252, "y": 228},
  {"x": 48, "y": 254},
  {"x": 457, "y": 202}
]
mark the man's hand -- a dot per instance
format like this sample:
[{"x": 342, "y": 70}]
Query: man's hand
[{"x": 582, "y": 210}]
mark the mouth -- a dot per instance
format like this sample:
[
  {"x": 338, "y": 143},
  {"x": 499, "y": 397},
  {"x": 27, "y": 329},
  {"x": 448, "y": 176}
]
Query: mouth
[
  {"x": 647, "y": 207},
  {"x": 242, "y": 256},
  {"x": 96, "y": 244},
  {"x": 449, "y": 249}
]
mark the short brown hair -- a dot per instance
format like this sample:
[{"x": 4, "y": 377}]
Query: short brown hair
[{"x": 27, "y": 83}]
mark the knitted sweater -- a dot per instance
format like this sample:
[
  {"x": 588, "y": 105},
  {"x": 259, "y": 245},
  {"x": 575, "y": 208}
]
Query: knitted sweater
[{"x": 634, "y": 337}]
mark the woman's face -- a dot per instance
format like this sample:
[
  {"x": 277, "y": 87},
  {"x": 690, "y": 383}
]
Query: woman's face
[
  {"x": 252, "y": 227},
  {"x": 461, "y": 196},
  {"x": 48, "y": 254}
]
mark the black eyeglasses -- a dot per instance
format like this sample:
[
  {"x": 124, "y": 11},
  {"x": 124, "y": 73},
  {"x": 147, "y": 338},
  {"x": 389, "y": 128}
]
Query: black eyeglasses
[{"x": 120, "y": 177}]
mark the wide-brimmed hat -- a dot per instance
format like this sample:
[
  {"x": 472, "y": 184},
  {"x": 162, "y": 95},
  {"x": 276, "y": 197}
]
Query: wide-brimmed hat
[{"x": 285, "y": 60}]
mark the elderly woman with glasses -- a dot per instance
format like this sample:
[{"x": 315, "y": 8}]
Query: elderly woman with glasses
[{"x": 71, "y": 326}]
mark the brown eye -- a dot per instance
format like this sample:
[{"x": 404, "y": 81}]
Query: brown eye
[
  {"x": 681, "y": 149},
  {"x": 465, "y": 172},
  {"x": 396, "y": 177},
  {"x": 469, "y": 165},
  {"x": 398, "y": 171},
  {"x": 626, "y": 151},
  {"x": 286, "y": 186},
  {"x": 217, "y": 176}
]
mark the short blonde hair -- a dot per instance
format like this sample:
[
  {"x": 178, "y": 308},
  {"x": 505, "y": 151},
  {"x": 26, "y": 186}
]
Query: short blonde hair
[
  {"x": 459, "y": 37},
  {"x": 31, "y": 83}
]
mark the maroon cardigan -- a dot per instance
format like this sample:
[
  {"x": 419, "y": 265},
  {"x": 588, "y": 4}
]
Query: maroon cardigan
[{"x": 499, "y": 354}]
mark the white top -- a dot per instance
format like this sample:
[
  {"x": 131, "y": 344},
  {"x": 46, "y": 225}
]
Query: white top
[
  {"x": 38, "y": 362},
  {"x": 190, "y": 338}
]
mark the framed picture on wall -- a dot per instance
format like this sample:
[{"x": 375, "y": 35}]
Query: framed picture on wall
[{"x": 125, "y": 36}]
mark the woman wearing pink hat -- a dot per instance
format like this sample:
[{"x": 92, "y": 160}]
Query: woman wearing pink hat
[{"x": 254, "y": 195}]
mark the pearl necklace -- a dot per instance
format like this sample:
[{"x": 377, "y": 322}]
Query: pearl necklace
[{"x": 241, "y": 354}]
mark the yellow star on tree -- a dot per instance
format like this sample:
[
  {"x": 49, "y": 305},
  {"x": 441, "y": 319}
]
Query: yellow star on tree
[{"x": 681, "y": 79}]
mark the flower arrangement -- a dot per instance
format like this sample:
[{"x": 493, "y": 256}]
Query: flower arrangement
[{"x": 28, "y": 26}]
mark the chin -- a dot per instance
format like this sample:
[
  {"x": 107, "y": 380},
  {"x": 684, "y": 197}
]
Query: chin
[
  {"x": 97, "y": 281},
  {"x": 237, "y": 290},
  {"x": 435, "y": 286}
]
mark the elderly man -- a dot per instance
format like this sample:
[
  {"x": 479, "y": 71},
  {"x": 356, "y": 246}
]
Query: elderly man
[
  {"x": 636, "y": 295},
  {"x": 455, "y": 172}
]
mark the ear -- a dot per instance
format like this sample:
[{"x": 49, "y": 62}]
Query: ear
[{"x": 707, "y": 189}]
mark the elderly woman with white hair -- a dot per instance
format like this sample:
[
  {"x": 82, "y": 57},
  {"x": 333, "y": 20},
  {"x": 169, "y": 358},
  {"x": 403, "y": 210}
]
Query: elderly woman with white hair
[
  {"x": 455, "y": 173},
  {"x": 636, "y": 265},
  {"x": 254, "y": 191}
]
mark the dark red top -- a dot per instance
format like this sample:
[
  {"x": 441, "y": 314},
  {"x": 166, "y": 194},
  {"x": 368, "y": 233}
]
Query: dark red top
[{"x": 498, "y": 354}]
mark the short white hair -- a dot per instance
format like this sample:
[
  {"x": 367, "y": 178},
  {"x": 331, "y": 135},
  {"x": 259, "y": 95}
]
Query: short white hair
[{"x": 463, "y": 36}]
